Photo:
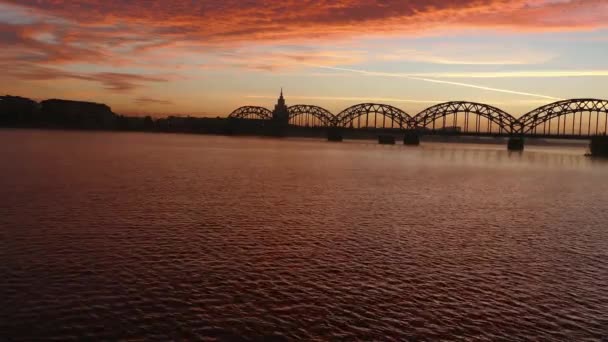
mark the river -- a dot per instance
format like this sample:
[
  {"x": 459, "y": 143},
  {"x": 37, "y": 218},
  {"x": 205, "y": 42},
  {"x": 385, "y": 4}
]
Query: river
[{"x": 163, "y": 236}]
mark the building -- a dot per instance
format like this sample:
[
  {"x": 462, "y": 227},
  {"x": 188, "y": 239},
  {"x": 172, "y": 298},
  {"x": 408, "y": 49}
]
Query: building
[
  {"x": 280, "y": 114},
  {"x": 78, "y": 114},
  {"x": 16, "y": 110}
]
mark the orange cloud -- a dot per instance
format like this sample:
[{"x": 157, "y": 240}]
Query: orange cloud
[
  {"x": 285, "y": 59},
  {"x": 222, "y": 21},
  {"x": 148, "y": 100},
  {"x": 39, "y": 37},
  {"x": 109, "y": 80},
  {"x": 106, "y": 30}
]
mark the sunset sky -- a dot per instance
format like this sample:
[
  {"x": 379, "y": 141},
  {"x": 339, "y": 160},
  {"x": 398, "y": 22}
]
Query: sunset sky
[{"x": 209, "y": 57}]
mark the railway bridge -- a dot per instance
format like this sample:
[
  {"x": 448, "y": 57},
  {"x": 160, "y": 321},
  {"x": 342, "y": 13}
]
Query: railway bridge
[{"x": 567, "y": 119}]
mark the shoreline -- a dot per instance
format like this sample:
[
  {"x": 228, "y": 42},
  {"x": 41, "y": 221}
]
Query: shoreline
[{"x": 540, "y": 142}]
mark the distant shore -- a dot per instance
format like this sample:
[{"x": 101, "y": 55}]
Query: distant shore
[
  {"x": 23, "y": 113},
  {"x": 321, "y": 135}
]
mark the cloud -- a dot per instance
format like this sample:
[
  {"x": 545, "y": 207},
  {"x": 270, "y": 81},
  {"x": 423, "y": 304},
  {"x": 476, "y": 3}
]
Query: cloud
[
  {"x": 285, "y": 58},
  {"x": 148, "y": 100},
  {"x": 123, "y": 82},
  {"x": 40, "y": 43},
  {"x": 224, "y": 21},
  {"x": 40, "y": 39},
  {"x": 118, "y": 82},
  {"x": 114, "y": 31}
]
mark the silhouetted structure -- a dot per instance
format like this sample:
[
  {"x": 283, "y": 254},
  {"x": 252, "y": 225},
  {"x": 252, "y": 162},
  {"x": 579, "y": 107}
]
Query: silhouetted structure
[
  {"x": 386, "y": 139},
  {"x": 515, "y": 144},
  {"x": 280, "y": 114},
  {"x": 135, "y": 123},
  {"x": 412, "y": 137},
  {"x": 78, "y": 114},
  {"x": 280, "y": 118},
  {"x": 599, "y": 146},
  {"x": 569, "y": 119},
  {"x": 212, "y": 125},
  {"x": 18, "y": 111},
  {"x": 457, "y": 117},
  {"x": 333, "y": 134}
]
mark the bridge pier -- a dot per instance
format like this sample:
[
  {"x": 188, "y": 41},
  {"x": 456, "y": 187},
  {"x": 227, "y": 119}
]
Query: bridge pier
[
  {"x": 599, "y": 146},
  {"x": 386, "y": 140},
  {"x": 515, "y": 144},
  {"x": 411, "y": 138},
  {"x": 276, "y": 130},
  {"x": 334, "y": 134}
]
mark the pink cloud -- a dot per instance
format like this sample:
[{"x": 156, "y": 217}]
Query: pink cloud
[
  {"x": 222, "y": 21},
  {"x": 119, "y": 82},
  {"x": 39, "y": 37},
  {"x": 98, "y": 29}
]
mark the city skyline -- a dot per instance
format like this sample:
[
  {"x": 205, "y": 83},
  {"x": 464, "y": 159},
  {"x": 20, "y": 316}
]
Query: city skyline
[{"x": 207, "y": 59}]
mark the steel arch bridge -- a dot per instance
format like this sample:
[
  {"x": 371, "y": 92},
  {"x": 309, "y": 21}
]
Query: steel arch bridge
[
  {"x": 251, "y": 112},
  {"x": 538, "y": 121},
  {"x": 397, "y": 116},
  {"x": 310, "y": 116},
  {"x": 572, "y": 119},
  {"x": 493, "y": 118}
]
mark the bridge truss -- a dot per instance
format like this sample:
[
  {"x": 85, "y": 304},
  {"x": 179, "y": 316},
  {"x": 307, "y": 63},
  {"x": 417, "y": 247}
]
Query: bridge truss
[
  {"x": 367, "y": 115},
  {"x": 310, "y": 116},
  {"x": 465, "y": 117},
  {"x": 569, "y": 118},
  {"x": 577, "y": 117},
  {"x": 251, "y": 112}
]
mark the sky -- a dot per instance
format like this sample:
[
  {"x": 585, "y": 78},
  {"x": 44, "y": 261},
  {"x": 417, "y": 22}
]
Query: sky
[{"x": 208, "y": 57}]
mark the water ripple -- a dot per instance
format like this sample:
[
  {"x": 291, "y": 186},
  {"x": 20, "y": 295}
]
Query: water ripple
[{"x": 129, "y": 236}]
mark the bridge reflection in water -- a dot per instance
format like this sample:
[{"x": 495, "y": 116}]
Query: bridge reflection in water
[{"x": 568, "y": 119}]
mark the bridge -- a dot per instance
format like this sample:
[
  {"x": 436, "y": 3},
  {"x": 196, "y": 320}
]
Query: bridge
[{"x": 568, "y": 119}]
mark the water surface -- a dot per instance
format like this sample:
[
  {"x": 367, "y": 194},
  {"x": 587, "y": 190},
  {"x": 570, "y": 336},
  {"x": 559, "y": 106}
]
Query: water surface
[{"x": 159, "y": 236}]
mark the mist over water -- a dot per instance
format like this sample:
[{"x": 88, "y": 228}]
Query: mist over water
[{"x": 125, "y": 235}]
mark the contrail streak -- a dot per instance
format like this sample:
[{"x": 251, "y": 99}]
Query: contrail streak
[
  {"x": 460, "y": 84},
  {"x": 485, "y": 88},
  {"x": 518, "y": 74}
]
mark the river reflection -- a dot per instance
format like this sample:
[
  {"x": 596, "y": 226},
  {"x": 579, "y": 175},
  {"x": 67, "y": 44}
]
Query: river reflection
[{"x": 159, "y": 236}]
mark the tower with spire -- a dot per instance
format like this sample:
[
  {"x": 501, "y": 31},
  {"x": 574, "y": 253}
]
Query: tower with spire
[{"x": 280, "y": 114}]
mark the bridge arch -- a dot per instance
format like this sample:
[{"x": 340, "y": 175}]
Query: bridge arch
[
  {"x": 251, "y": 112},
  {"x": 306, "y": 115},
  {"x": 486, "y": 119},
  {"x": 397, "y": 117},
  {"x": 540, "y": 120}
]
